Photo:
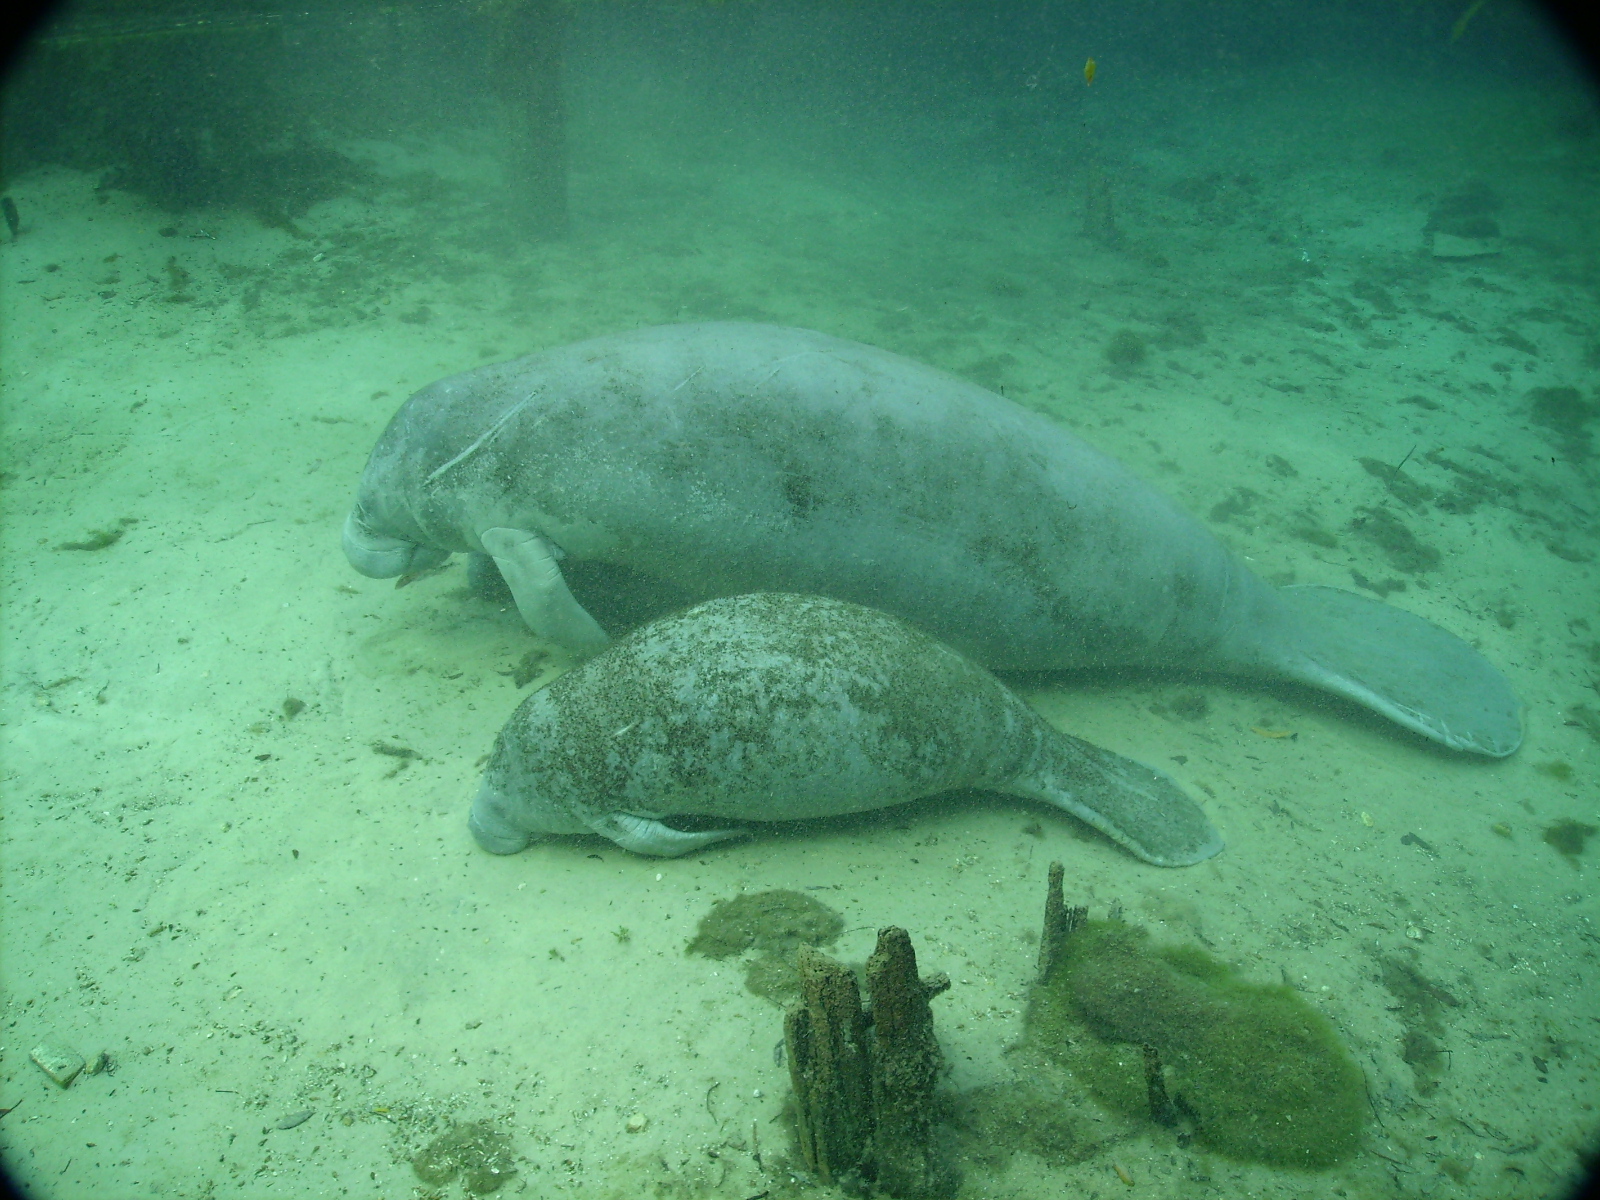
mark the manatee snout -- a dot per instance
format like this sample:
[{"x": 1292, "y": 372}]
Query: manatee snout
[
  {"x": 491, "y": 826},
  {"x": 378, "y": 556}
]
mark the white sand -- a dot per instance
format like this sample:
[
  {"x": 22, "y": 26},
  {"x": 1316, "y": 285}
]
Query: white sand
[{"x": 256, "y": 914}]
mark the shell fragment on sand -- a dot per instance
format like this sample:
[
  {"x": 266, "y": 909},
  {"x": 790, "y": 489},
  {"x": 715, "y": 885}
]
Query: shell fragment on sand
[{"x": 57, "y": 1060}]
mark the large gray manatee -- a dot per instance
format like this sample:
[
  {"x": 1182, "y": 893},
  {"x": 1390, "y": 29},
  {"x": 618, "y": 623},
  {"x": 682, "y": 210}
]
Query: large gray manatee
[
  {"x": 775, "y": 707},
  {"x": 728, "y": 458}
]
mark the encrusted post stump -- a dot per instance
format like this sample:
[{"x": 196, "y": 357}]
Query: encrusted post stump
[
  {"x": 524, "y": 69},
  {"x": 905, "y": 1066},
  {"x": 826, "y": 1035},
  {"x": 864, "y": 1082},
  {"x": 1162, "y": 1110},
  {"x": 1059, "y": 923}
]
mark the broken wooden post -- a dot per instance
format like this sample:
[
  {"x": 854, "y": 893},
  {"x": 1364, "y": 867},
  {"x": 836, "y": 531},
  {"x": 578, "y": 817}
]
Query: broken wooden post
[
  {"x": 905, "y": 1066},
  {"x": 826, "y": 1035},
  {"x": 1162, "y": 1110},
  {"x": 864, "y": 1082},
  {"x": 1059, "y": 923},
  {"x": 524, "y": 68}
]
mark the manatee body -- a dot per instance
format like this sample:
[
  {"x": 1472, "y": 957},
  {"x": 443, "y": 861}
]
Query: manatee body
[
  {"x": 729, "y": 458},
  {"x": 774, "y": 707}
]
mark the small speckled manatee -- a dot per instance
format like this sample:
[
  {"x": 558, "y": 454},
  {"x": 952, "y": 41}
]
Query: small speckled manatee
[{"x": 777, "y": 707}]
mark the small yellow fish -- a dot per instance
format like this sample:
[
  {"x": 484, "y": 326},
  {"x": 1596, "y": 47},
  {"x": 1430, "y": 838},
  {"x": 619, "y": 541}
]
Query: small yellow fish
[
  {"x": 1088, "y": 72},
  {"x": 1273, "y": 733}
]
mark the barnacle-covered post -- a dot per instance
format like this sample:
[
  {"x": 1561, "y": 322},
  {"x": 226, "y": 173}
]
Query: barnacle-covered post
[
  {"x": 1059, "y": 923},
  {"x": 826, "y": 1035},
  {"x": 905, "y": 1066},
  {"x": 863, "y": 1082},
  {"x": 1162, "y": 1110}
]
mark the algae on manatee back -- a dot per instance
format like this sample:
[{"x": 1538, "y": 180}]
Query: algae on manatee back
[{"x": 1260, "y": 1073}]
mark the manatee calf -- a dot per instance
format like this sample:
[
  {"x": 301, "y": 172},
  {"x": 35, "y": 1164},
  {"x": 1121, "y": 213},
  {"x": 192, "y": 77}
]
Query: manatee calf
[
  {"x": 731, "y": 458},
  {"x": 774, "y": 707}
]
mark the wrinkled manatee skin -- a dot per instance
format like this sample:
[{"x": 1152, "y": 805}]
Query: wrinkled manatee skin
[{"x": 728, "y": 458}]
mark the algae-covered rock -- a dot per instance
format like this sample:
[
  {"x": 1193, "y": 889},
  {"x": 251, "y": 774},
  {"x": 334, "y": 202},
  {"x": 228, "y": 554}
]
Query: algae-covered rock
[{"x": 1261, "y": 1074}]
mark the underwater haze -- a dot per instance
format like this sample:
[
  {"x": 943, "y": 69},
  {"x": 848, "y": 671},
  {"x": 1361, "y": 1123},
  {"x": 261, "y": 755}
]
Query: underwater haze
[{"x": 1327, "y": 275}]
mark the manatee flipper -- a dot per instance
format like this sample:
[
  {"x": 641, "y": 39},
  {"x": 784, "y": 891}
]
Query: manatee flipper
[
  {"x": 1138, "y": 807},
  {"x": 645, "y": 835},
  {"x": 529, "y": 567},
  {"x": 1400, "y": 665}
]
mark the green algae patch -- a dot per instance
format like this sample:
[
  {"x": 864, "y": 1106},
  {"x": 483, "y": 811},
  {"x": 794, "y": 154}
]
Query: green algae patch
[
  {"x": 476, "y": 1151},
  {"x": 1259, "y": 1074},
  {"x": 778, "y": 921},
  {"x": 773, "y": 924},
  {"x": 1569, "y": 837}
]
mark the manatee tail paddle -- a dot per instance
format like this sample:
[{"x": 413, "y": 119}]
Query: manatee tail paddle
[
  {"x": 1400, "y": 665},
  {"x": 1138, "y": 807}
]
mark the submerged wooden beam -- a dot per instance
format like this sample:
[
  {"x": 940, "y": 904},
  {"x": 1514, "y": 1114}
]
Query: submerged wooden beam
[{"x": 524, "y": 68}]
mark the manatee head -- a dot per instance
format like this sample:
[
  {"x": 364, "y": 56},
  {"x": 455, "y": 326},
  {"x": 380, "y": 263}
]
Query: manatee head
[
  {"x": 492, "y": 823},
  {"x": 382, "y": 556},
  {"x": 504, "y": 821},
  {"x": 429, "y": 482},
  {"x": 522, "y": 795}
]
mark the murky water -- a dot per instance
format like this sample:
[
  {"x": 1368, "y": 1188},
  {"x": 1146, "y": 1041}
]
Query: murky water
[{"x": 1326, "y": 279}]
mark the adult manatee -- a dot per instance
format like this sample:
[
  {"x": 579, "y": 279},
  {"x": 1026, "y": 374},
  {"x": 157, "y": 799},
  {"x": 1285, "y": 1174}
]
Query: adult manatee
[{"x": 727, "y": 458}]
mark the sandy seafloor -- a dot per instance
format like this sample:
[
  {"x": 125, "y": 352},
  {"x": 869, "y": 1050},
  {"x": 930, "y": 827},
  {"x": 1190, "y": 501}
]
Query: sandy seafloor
[{"x": 255, "y": 914}]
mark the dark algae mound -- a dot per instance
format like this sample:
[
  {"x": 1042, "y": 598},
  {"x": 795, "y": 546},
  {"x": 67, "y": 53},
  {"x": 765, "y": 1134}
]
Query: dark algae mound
[
  {"x": 475, "y": 1151},
  {"x": 780, "y": 920},
  {"x": 1569, "y": 837},
  {"x": 1566, "y": 414},
  {"x": 773, "y": 924},
  {"x": 1260, "y": 1074}
]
